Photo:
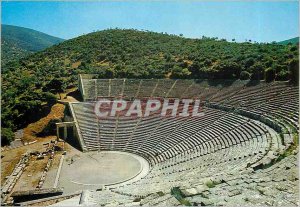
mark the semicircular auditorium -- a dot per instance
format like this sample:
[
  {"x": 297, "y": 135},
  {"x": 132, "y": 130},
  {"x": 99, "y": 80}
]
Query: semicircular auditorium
[{"x": 234, "y": 154}]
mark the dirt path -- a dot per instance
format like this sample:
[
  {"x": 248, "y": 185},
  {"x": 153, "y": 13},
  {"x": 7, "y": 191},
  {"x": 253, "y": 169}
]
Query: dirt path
[{"x": 30, "y": 132}]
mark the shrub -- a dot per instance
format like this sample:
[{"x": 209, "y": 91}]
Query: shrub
[
  {"x": 176, "y": 192},
  {"x": 212, "y": 184},
  {"x": 56, "y": 85},
  {"x": 245, "y": 75},
  {"x": 257, "y": 71},
  {"x": 294, "y": 69},
  {"x": 269, "y": 74},
  {"x": 282, "y": 75},
  {"x": 7, "y": 136},
  {"x": 50, "y": 98},
  {"x": 178, "y": 72}
]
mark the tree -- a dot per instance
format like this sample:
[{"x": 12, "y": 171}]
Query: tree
[
  {"x": 257, "y": 71},
  {"x": 227, "y": 70},
  {"x": 56, "y": 85},
  {"x": 109, "y": 73},
  {"x": 294, "y": 70},
  {"x": 178, "y": 72},
  {"x": 7, "y": 136},
  {"x": 249, "y": 62},
  {"x": 269, "y": 74},
  {"x": 50, "y": 98},
  {"x": 245, "y": 75}
]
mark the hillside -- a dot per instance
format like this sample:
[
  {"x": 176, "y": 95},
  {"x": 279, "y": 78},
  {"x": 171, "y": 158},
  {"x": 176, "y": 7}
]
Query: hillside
[
  {"x": 290, "y": 41},
  {"x": 17, "y": 42},
  {"x": 29, "y": 85}
]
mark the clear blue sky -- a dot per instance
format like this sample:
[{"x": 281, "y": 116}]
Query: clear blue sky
[{"x": 258, "y": 21}]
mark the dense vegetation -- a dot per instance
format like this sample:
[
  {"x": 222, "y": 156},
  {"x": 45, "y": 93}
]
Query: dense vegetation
[
  {"x": 294, "y": 41},
  {"x": 18, "y": 42},
  {"x": 32, "y": 82},
  {"x": 7, "y": 136}
]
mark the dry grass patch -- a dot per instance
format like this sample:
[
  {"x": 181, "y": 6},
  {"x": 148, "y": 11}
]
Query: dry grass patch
[{"x": 57, "y": 111}]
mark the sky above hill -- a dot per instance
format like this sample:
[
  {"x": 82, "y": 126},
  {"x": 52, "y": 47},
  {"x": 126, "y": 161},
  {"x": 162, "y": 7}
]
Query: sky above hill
[{"x": 259, "y": 21}]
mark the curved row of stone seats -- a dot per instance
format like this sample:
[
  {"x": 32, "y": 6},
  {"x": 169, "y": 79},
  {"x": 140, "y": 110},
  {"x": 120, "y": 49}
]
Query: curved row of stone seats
[
  {"x": 222, "y": 161},
  {"x": 276, "y": 185},
  {"x": 289, "y": 108},
  {"x": 195, "y": 166},
  {"x": 277, "y": 101},
  {"x": 116, "y": 87},
  {"x": 189, "y": 152},
  {"x": 139, "y": 145},
  {"x": 281, "y": 104},
  {"x": 172, "y": 124},
  {"x": 106, "y": 197},
  {"x": 270, "y": 91},
  {"x": 220, "y": 126},
  {"x": 279, "y": 86},
  {"x": 146, "y": 88},
  {"x": 149, "y": 141},
  {"x": 172, "y": 130},
  {"x": 125, "y": 128},
  {"x": 163, "y": 87},
  {"x": 288, "y": 115},
  {"x": 207, "y": 165},
  {"x": 248, "y": 92},
  {"x": 92, "y": 129},
  {"x": 102, "y": 87},
  {"x": 89, "y": 89},
  {"x": 196, "y": 87},
  {"x": 131, "y": 88},
  {"x": 88, "y": 125},
  {"x": 113, "y": 134},
  {"x": 145, "y": 126},
  {"x": 180, "y": 88},
  {"x": 228, "y": 139},
  {"x": 146, "y": 136},
  {"x": 261, "y": 140},
  {"x": 259, "y": 145},
  {"x": 229, "y": 91}
]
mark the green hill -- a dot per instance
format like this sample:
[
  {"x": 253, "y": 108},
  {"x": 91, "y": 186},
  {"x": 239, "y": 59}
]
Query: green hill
[
  {"x": 290, "y": 41},
  {"x": 17, "y": 42},
  {"x": 30, "y": 84}
]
